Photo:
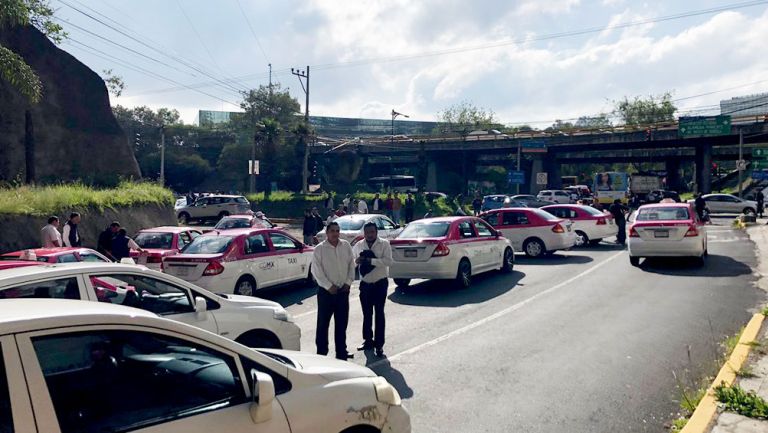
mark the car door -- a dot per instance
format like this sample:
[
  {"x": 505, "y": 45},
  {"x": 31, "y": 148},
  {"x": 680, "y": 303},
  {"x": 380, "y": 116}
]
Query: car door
[
  {"x": 287, "y": 256},
  {"x": 199, "y": 209},
  {"x": 733, "y": 204},
  {"x": 259, "y": 260},
  {"x": 490, "y": 245},
  {"x": 715, "y": 204},
  {"x": 388, "y": 229},
  {"x": 468, "y": 242},
  {"x": 130, "y": 378},
  {"x": 16, "y": 414}
]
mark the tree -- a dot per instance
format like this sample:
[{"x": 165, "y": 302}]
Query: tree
[
  {"x": 114, "y": 83},
  {"x": 269, "y": 103},
  {"x": 645, "y": 111},
  {"x": 13, "y": 68},
  {"x": 465, "y": 117},
  {"x": 183, "y": 171},
  {"x": 593, "y": 122}
]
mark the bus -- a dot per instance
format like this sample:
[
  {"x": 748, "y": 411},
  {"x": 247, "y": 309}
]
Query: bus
[
  {"x": 569, "y": 181},
  {"x": 610, "y": 186},
  {"x": 395, "y": 183}
]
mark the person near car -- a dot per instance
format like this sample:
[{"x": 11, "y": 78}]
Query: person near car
[
  {"x": 308, "y": 228},
  {"x": 347, "y": 200},
  {"x": 319, "y": 224},
  {"x": 618, "y": 211},
  {"x": 104, "y": 245},
  {"x": 50, "y": 236},
  {"x": 760, "y": 199},
  {"x": 410, "y": 208},
  {"x": 362, "y": 206},
  {"x": 328, "y": 202},
  {"x": 71, "y": 235},
  {"x": 477, "y": 204},
  {"x": 331, "y": 217},
  {"x": 388, "y": 204},
  {"x": 377, "y": 205},
  {"x": 699, "y": 204},
  {"x": 374, "y": 257},
  {"x": 397, "y": 206},
  {"x": 122, "y": 245},
  {"x": 333, "y": 266}
]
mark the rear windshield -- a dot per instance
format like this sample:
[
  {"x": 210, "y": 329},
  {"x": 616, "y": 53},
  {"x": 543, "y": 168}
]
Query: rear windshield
[
  {"x": 155, "y": 240},
  {"x": 425, "y": 230},
  {"x": 233, "y": 223},
  {"x": 545, "y": 215},
  {"x": 592, "y": 211},
  {"x": 663, "y": 214},
  {"x": 241, "y": 200},
  {"x": 348, "y": 224},
  {"x": 208, "y": 245}
]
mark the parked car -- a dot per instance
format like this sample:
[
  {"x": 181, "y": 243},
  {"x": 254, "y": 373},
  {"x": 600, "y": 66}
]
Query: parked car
[
  {"x": 250, "y": 321},
  {"x": 11, "y": 264},
  {"x": 161, "y": 242},
  {"x": 58, "y": 255},
  {"x": 351, "y": 227},
  {"x": 244, "y": 222},
  {"x": 241, "y": 261},
  {"x": 590, "y": 225},
  {"x": 71, "y": 366},
  {"x": 497, "y": 201},
  {"x": 658, "y": 195},
  {"x": 449, "y": 248},
  {"x": 529, "y": 200},
  {"x": 667, "y": 230},
  {"x": 728, "y": 203},
  {"x": 554, "y": 196},
  {"x": 213, "y": 207},
  {"x": 533, "y": 231}
]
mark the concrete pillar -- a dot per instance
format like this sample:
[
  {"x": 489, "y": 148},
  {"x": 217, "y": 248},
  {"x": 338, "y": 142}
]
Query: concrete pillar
[
  {"x": 673, "y": 174},
  {"x": 552, "y": 167},
  {"x": 704, "y": 168},
  {"x": 537, "y": 166},
  {"x": 431, "y": 176}
]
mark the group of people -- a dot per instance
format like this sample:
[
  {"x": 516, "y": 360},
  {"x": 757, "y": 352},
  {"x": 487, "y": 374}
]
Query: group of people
[
  {"x": 334, "y": 262},
  {"x": 113, "y": 242},
  {"x": 392, "y": 206},
  {"x": 51, "y": 238}
]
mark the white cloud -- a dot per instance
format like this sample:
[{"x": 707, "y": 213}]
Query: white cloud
[{"x": 550, "y": 7}]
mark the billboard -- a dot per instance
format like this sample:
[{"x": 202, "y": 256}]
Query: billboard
[{"x": 610, "y": 186}]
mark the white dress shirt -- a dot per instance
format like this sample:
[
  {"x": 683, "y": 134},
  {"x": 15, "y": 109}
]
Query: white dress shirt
[
  {"x": 50, "y": 235},
  {"x": 333, "y": 266},
  {"x": 65, "y": 235},
  {"x": 382, "y": 262},
  {"x": 362, "y": 206}
]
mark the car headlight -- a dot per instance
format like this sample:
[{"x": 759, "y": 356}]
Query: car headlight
[
  {"x": 385, "y": 392},
  {"x": 283, "y": 315}
]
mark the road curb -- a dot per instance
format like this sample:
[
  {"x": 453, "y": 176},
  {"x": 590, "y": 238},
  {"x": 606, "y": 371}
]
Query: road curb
[{"x": 707, "y": 408}]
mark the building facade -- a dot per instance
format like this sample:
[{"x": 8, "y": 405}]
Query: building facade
[{"x": 751, "y": 105}]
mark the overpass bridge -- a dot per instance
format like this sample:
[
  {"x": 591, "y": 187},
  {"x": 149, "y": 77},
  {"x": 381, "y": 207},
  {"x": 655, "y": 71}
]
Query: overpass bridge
[{"x": 546, "y": 152}]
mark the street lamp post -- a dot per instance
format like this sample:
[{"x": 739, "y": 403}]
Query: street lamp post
[{"x": 392, "y": 144}]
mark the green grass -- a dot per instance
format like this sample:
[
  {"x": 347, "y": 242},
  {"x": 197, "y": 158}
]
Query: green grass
[
  {"x": 735, "y": 399},
  {"x": 765, "y": 311},
  {"x": 678, "y": 424},
  {"x": 731, "y": 343},
  {"x": 49, "y": 200},
  {"x": 746, "y": 372}
]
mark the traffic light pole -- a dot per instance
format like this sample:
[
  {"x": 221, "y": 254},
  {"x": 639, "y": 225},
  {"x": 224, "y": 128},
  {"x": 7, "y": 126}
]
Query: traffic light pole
[
  {"x": 741, "y": 158},
  {"x": 519, "y": 152},
  {"x": 305, "y": 162}
]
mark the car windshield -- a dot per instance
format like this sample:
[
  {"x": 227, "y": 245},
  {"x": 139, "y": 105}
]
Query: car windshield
[
  {"x": 663, "y": 214},
  {"x": 208, "y": 245},
  {"x": 349, "y": 224},
  {"x": 425, "y": 230},
  {"x": 232, "y": 223},
  {"x": 155, "y": 240}
]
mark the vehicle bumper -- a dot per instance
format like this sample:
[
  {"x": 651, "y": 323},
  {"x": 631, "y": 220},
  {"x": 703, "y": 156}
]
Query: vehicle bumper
[
  {"x": 436, "y": 268},
  {"x": 602, "y": 233},
  {"x": 687, "y": 247},
  {"x": 215, "y": 284},
  {"x": 289, "y": 334},
  {"x": 561, "y": 242},
  {"x": 398, "y": 421}
]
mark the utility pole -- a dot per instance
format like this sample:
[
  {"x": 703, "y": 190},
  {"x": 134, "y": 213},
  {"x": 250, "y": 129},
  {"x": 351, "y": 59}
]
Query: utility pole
[
  {"x": 741, "y": 157},
  {"x": 305, "y": 163},
  {"x": 519, "y": 153},
  {"x": 270, "y": 78},
  {"x": 252, "y": 164},
  {"x": 162, "y": 155},
  {"x": 392, "y": 144}
]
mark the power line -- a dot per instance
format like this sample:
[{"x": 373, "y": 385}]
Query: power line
[
  {"x": 199, "y": 38},
  {"x": 253, "y": 32}
]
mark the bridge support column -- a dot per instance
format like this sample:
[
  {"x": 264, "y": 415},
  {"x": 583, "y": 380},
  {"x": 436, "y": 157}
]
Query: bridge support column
[
  {"x": 673, "y": 174},
  {"x": 552, "y": 167},
  {"x": 704, "y": 168},
  {"x": 537, "y": 166},
  {"x": 431, "y": 183}
]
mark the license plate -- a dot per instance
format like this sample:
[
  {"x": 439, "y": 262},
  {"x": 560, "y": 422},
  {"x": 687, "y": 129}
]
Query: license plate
[
  {"x": 411, "y": 253},
  {"x": 661, "y": 234}
]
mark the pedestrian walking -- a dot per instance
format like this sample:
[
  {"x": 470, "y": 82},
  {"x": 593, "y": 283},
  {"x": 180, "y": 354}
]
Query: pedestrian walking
[
  {"x": 388, "y": 205},
  {"x": 71, "y": 235},
  {"x": 319, "y": 225},
  {"x": 377, "y": 205},
  {"x": 374, "y": 257},
  {"x": 397, "y": 205},
  {"x": 308, "y": 228},
  {"x": 50, "y": 236},
  {"x": 459, "y": 208},
  {"x": 333, "y": 267},
  {"x": 618, "y": 211},
  {"x": 331, "y": 217},
  {"x": 410, "y": 208},
  {"x": 347, "y": 201},
  {"x": 477, "y": 204},
  {"x": 362, "y": 206},
  {"x": 122, "y": 246},
  {"x": 699, "y": 204},
  {"x": 760, "y": 203},
  {"x": 328, "y": 202},
  {"x": 104, "y": 245}
]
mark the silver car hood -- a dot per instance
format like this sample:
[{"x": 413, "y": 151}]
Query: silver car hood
[{"x": 249, "y": 301}]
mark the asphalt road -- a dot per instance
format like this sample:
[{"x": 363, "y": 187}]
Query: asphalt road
[{"x": 579, "y": 342}]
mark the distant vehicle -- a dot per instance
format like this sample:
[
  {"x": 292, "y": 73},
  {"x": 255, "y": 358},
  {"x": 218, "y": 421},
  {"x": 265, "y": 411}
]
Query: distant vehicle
[
  {"x": 433, "y": 195},
  {"x": 351, "y": 227},
  {"x": 59, "y": 255},
  {"x": 530, "y": 200},
  {"x": 610, "y": 186},
  {"x": 580, "y": 192},
  {"x": 213, "y": 207},
  {"x": 10, "y": 264},
  {"x": 643, "y": 184},
  {"x": 180, "y": 203},
  {"x": 395, "y": 182},
  {"x": 554, "y": 196},
  {"x": 658, "y": 195},
  {"x": 567, "y": 181},
  {"x": 667, "y": 230},
  {"x": 591, "y": 225},
  {"x": 449, "y": 248},
  {"x": 161, "y": 242},
  {"x": 532, "y": 231},
  {"x": 728, "y": 203},
  {"x": 244, "y": 222}
]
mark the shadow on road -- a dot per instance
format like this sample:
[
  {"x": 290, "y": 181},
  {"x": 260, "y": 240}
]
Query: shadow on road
[
  {"x": 288, "y": 295},
  {"x": 393, "y": 376},
  {"x": 555, "y": 259},
  {"x": 715, "y": 266},
  {"x": 441, "y": 293},
  {"x": 602, "y": 246}
]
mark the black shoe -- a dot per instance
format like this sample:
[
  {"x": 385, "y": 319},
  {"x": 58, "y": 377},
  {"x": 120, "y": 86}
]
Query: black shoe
[
  {"x": 344, "y": 356},
  {"x": 379, "y": 352},
  {"x": 366, "y": 346}
]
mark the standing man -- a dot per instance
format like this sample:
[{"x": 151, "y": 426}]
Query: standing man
[
  {"x": 50, "y": 233},
  {"x": 347, "y": 201},
  {"x": 617, "y": 210},
  {"x": 308, "y": 229},
  {"x": 410, "y": 207},
  {"x": 477, "y": 204},
  {"x": 397, "y": 204},
  {"x": 362, "y": 206},
  {"x": 377, "y": 204},
  {"x": 105, "y": 239},
  {"x": 760, "y": 203},
  {"x": 122, "y": 246},
  {"x": 700, "y": 205},
  {"x": 319, "y": 225},
  {"x": 333, "y": 267},
  {"x": 328, "y": 203},
  {"x": 71, "y": 235},
  {"x": 388, "y": 204},
  {"x": 374, "y": 256}
]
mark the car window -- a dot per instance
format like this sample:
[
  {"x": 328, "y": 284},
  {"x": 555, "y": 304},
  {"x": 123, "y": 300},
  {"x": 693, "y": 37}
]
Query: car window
[
  {"x": 387, "y": 224},
  {"x": 560, "y": 193},
  {"x": 194, "y": 234},
  {"x": 155, "y": 240},
  {"x": 492, "y": 218},
  {"x": 663, "y": 214},
  {"x": 201, "y": 202},
  {"x": 242, "y": 200},
  {"x": 91, "y": 257},
  {"x": 712, "y": 198},
  {"x": 209, "y": 245},
  {"x": 483, "y": 230},
  {"x": 557, "y": 211},
  {"x": 515, "y": 219},
  {"x": 184, "y": 240},
  {"x": 731, "y": 199},
  {"x": 466, "y": 230},
  {"x": 66, "y": 258},
  {"x": 62, "y": 288},
  {"x": 143, "y": 292},
  {"x": 256, "y": 244},
  {"x": 6, "y": 416},
  {"x": 281, "y": 242},
  {"x": 425, "y": 230},
  {"x": 117, "y": 381}
]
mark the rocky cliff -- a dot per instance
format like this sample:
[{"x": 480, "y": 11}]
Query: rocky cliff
[{"x": 71, "y": 133}]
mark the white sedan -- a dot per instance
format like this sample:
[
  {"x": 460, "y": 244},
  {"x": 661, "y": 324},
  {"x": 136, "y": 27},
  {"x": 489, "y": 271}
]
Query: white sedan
[
  {"x": 533, "y": 231},
  {"x": 72, "y": 366},
  {"x": 351, "y": 227},
  {"x": 250, "y": 321},
  {"x": 727, "y": 203},
  {"x": 667, "y": 230},
  {"x": 590, "y": 225},
  {"x": 449, "y": 248}
]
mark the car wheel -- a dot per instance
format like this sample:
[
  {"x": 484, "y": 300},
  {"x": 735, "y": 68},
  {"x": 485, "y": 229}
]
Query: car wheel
[
  {"x": 534, "y": 248},
  {"x": 509, "y": 261},
  {"x": 183, "y": 218},
  {"x": 259, "y": 338},
  {"x": 245, "y": 286},
  {"x": 223, "y": 214},
  {"x": 464, "y": 274},
  {"x": 581, "y": 238},
  {"x": 749, "y": 211},
  {"x": 634, "y": 261},
  {"x": 402, "y": 283},
  {"x": 595, "y": 242}
]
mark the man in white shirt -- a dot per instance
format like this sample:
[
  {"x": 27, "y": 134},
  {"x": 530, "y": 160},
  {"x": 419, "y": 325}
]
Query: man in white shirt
[
  {"x": 333, "y": 267},
  {"x": 50, "y": 233},
  {"x": 374, "y": 256},
  {"x": 362, "y": 206}
]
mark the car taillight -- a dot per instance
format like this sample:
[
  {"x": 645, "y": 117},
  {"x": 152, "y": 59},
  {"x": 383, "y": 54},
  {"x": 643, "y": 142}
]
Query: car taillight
[
  {"x": 154, "y": 259},
  {"x": 601, "y": 221},
  {"x": 441, "y": 250},
  {"x": 214, "y": 268},
  {"x": 558, "y": 228},
  {"x": 633, "y": 233},
  {"x": 692, "y": 231},
  {"x": 357, "y": 239}
]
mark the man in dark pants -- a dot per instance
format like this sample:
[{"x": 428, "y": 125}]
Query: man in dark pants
[
  {"x": 617, "y": 210},
  {"x": 760, "y": 203},
  {"x": 333, "y": 267},
  {"x": 410, "y": 206},
  {"x": 374, "y": 256},
  {"x": 700, "y": 204},
  {"x": 105, "y": 239}
]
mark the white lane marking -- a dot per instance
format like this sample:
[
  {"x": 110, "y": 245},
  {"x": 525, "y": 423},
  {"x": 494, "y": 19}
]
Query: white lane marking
[{"x": 494, "y": 316}]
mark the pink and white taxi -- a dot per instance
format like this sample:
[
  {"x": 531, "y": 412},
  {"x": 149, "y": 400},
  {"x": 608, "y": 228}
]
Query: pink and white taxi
[
  {"x": 534, "y": 231},
  {"x": 240, "y": 261},
  {"x": 590, "y": 225},
  {"x": 667, "y": 230},
  {"x": 450, "y": 248}
]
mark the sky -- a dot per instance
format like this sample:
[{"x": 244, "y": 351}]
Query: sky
[{"x": 530, "y": 61}]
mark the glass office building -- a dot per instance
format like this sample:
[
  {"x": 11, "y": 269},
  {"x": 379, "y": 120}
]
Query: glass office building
[{"x": 751, "y": 105}]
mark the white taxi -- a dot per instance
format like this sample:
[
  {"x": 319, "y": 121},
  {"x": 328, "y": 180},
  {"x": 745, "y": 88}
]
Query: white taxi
[
  {"x": 71, "y": 366},
  {"x": 667, "y": 230},
  {"x": 351, "y": 227},
  {"x": 250, "y": 321},
  {"x": 450, "y": 248},
  {"x": 590, "y": 225},
  {"x": 533, "y": 231},
  {"x": 240, "y": 261}
]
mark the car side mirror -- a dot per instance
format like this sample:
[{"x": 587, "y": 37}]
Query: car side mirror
[
  {"x": 201, "y": 305},
  {"x": 397, "y": 226},
  {"x": 262, "y": 394}
]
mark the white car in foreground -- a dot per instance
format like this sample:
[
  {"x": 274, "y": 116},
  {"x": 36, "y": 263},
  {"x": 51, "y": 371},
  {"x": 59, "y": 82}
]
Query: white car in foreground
[
  {"x": 250, "y": 321},
  {"x": 351, "y": 227},
  {"x": 449, "y": 248},
  {"x": 667, "y": 230},
  {"x": 70, "y": 366}
]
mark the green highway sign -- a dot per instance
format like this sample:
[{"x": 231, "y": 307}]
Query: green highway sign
[
  {"x": 759, "y": 164},
  {"x": 700, "y": 126},
  {"x": 760, "y": 153}
]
